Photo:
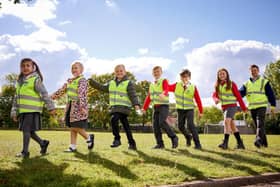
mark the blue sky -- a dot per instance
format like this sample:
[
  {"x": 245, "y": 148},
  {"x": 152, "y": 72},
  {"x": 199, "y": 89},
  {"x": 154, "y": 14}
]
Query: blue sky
[{"x": 196, "y": 34}]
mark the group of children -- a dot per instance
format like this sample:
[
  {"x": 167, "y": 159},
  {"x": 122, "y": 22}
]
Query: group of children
[{"x": 31, "y": 94}]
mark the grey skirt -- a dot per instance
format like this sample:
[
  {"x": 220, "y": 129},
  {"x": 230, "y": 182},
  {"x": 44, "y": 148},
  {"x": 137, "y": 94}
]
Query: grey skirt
[
  {"x": 30, "y": 121},
  {"x": 230, "y": 111}
]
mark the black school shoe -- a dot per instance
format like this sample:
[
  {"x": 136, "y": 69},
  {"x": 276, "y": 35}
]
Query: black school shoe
[
  {"x": 44, "y": 146},
  {"x": 132, "y": 147},
  {"x": 70, "y": 150},
  {"x": 258, "y": 144},
  {"x": 116, "y": 143},
  {"x": 174, "y": 141},
  {"x": 159, "y": 146},
  {"x": 91, "y": 141},
  {"x": 198, "y": 147},
  {"x": 23, "y": 154},
  {"x": 240, "y": 145}
]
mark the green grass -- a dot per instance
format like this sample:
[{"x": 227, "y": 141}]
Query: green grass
[{"x": 105, "y": 166}]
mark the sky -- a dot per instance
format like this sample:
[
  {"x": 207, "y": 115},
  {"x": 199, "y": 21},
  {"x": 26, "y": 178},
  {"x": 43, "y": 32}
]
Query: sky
[{"x": 200, "y": 35}]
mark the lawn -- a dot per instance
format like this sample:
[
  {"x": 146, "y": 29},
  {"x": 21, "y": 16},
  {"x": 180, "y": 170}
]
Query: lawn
[{"x": 105, "y": 166}]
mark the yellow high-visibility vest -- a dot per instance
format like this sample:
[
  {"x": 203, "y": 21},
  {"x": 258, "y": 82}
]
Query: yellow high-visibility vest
[
  {"x": 155, "y": 90},
  {"x": 118, "y": 93},
  {"x": 72, "y": 89},
  {"x": 184, "y": 98},
  {"x": 226, "y": 96}
]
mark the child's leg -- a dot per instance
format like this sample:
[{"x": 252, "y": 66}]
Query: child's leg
[
  {"x": 125, "y": 123},
  {"x": 224, "y": 144},
  {"x": 35, "y": 137},
  {"x": 157, "y": 130},
  {"x": 236, "y": 133},
  {"x": 26, "y": 140},
  {"x": 73, "y": 136},
  {"x": 83, "y": 133},
  {"x": 163, "y": 114},
  {"x": 115, "y": 126},
  {"x": 191, "y": 126},
  {"x": 181, "y": 125}
]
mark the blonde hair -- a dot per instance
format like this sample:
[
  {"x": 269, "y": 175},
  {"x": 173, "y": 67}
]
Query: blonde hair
[
  {"x": 78, "y": 63},
  {"x": 119, "y": 66}
]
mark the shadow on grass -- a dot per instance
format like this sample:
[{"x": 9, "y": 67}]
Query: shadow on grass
[
  {"x": 268, "y": 155},
  {"x": 224, "y": 163},
  {"x": 193, "y": 172},
  {"x": 95, "y": 158},
  {"x": 38, "y": 172},
  {"x": 241, "y": 158}
]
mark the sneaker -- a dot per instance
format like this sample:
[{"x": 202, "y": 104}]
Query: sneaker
[
  {"x": 44, "y": 146},
  {"x": 23, "y": 155},
  {"x": 257, "y": 144},
  {"x": 240, "y": 145},
  {"x": 70, "y": 150},
  {"x": 132, "y": 147},
  {"x": 159, "y": 146},
  {"x": 174, "y": 142},
  {"x": 189, "y": 140},
  {"x": 91, "y": 141},
  {"x": 116, "y": 143},
  {"x": 198, "y": 147}
]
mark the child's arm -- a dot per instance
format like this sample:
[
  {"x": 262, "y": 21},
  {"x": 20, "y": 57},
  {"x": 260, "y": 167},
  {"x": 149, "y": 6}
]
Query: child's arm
[
  {"x": 172, "y": 87},
  {"x": 165, "y": 87},
  {"x": 60, "y": 92},
  {"x": 215, "y": 97},
  {"x": 147, "y": 102},
  {"x": 98, "y": 86},
  {"x": 82, "y": 94},
  {"x": 236, "y": 93},
  {"x": 198, "y": 101},
  {"x": 40, "y": 88},
  {"x": 132, "y": 94}
]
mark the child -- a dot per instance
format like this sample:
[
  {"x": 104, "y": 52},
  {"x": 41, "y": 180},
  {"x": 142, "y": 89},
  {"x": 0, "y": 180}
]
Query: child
[
  {"x": 185, "y": 92},
  {"x": 158, "y": 95},
  {"x": 77, "y": 107},
  {"x": 121, "y": 94},
  {"x": 226, "y": 92},
  {"x": 28, "y": 105}
]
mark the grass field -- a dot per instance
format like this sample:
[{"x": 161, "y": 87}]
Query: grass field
[{"x": 105, "y": 166}]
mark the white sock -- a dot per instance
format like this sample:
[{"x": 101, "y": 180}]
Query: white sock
[{"x": 73, "y": 146}]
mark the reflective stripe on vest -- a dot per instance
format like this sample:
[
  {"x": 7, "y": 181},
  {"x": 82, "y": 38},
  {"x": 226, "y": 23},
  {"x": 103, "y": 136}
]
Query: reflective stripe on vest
[
  {"x": 118, "y": 93},
  {"x": 226, "y": 96},
  {"x": 28, "y": 100},
  {"x": 155, "y": 90},
  {"x": 256, "y": 93},
  {"x": 184, "y": 97},
  {"x": 72, "y": 89}
]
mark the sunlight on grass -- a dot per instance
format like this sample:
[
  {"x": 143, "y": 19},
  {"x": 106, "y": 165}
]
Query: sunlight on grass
[{"x": 105, "y": 166}]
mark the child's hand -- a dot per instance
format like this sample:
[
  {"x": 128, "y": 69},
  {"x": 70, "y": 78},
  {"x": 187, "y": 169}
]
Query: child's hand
[
  {"x": 15, "y": 119},
  {"x": 52, "y": 112},
  {"x": 143, "y": 111},
  {"x": 217, "y": 101},
  {"x": 137, "y": 107},
  {"x": 53, "y": 97},
  {"x": 161, "y": 96},
  {"x": 200, "y": 115}
]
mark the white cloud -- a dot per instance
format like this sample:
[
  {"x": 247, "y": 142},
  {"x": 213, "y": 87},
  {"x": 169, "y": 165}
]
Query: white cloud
[
  {"x": 64, "y": 22},
  {"x": 143, "y": 51},
  {"x": 234, "y": 55},
  {"x": 110, "y": 3},
  {"x": 37, "y": 13},
  {"x": 179, "y": 43}
]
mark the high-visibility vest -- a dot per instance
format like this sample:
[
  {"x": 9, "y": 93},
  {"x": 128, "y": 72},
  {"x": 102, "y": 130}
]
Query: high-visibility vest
[
  {"x": 155, "y": 90},
  {"x": 118, "y": 93},
  {"x": 28, "y": 100},
  {"x": 72, "y": 89},
  {"x": 184, "y": 97},
  {"x": 226, "y": 96},
  {"x": 255, "y": 93}
]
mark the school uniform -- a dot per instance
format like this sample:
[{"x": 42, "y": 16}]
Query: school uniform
[
  {"x": 184, "y": 97},
  {"x": 160, "y": 112}
]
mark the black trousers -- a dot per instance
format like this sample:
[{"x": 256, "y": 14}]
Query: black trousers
[
  {"x": 258, "y": 116},
  {"x": 159, "y": 122},
  {"x": 115, "y": 118},
  {"x": 187, "y": 115}
]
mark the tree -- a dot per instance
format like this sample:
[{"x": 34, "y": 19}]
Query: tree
[
  {"x": 211, "y": 115},
  {"x": 272, "y": 73}
]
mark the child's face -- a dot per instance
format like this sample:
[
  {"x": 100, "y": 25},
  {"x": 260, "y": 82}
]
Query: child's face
[
  {"x": 222, "y": 75},
  {"x": 185, "y": 78},
  {"x": 157, "y": 73},
  {"x": 26, "y": 67},
  {"x": 76, "y": 70},
  {"x": 120, "y": 72}
]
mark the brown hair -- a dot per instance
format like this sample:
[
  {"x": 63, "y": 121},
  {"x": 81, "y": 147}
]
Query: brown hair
[
  {"x": 35, "y": 67},
  {"x": 218, "y": 82},
  {"x": 185, "y": 72},
  {"x": 157, "y": 67}
]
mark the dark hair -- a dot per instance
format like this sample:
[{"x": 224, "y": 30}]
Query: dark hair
[
  {"x": 218, "y": 82},
  {"x": 185, "y": 72},
  {"x": 157, "y": 67},
  {"x": 254, "y": 66},
  {"x": 35, "y": 66}
]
